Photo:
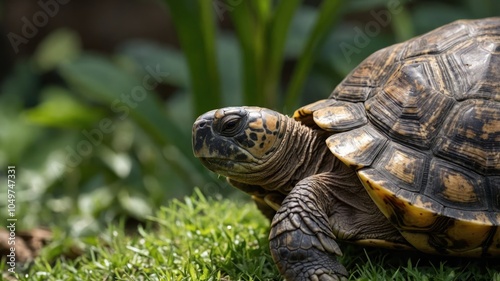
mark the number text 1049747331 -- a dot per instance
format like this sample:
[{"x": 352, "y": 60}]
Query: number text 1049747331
[{"x": 11, "y": 220}]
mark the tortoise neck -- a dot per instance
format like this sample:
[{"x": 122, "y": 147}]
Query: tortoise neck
[{"x": 302, "y": 153}]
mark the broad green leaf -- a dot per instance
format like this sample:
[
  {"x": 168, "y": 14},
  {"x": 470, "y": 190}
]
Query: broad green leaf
[
  {"x": 262, "y": 28},
  {"x": 329, "y": 13},
  {"x": 276, "y": 41},
  {"x": 195, "y": 27},
  {"x": 59, "y": 46},
  {"x": 230, "y": 65},
  {"x": 300, "y": 28},
  {"x": 250, "y": 33},
  {"x": 59, "y": 109},
  {"x": 17, "y": 134},
  {"x": 434, "y": 14},
  {"x": 402, "y": 25},
  {"x": 146, "y": 53},
  {"x": 129, "y": 97}
]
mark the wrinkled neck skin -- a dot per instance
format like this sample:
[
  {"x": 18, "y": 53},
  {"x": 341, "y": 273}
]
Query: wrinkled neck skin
[{"x": 302, "y": 153}]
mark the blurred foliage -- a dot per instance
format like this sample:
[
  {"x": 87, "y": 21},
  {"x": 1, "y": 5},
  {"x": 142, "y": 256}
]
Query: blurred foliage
[{"x": 97, "y": 142}]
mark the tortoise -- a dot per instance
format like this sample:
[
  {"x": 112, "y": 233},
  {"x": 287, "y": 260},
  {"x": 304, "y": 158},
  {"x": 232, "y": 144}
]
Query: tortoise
[{"x": 404, "y": 154}]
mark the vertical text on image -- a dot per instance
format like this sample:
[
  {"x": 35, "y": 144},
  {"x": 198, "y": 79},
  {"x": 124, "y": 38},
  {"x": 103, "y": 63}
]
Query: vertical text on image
[{"x": 11, "y": 220}]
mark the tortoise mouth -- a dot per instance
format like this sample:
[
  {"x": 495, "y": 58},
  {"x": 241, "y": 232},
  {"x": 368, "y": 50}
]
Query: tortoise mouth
[
  {"x": 223, "y": 166},
  {"x": 221, "y": 162},
  {"x": 211, "y": 161}
]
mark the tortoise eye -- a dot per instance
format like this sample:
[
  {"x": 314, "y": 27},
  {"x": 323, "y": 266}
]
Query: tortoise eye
[{"x": 231, "y": 125}]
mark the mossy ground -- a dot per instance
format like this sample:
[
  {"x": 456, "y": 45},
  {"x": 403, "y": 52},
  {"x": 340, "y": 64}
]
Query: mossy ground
[{"x": 208, "y": 239}]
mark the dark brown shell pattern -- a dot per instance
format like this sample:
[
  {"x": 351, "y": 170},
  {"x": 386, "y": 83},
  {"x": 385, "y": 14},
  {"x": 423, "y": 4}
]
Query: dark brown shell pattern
[{"x": 420, "y": 121}]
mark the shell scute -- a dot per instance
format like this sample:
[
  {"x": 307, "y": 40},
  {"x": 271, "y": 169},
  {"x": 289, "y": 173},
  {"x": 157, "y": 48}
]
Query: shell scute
[
  {"x": 363, "y": 80},
  {"x": 429, "y": 154},
  {"x": 457, "y": 187},
  {"x": 357, "y": 148},
  {"x": 402, "y": 107},
  {"x": 494, "y": 183},
  {"x": 438, "y": 40},
  {"x": 406, "y": 210},
  {"x": 403, "y": 166},
  {"x": 340, "y": 116},
  {"x": 305, "y": 113},
  {"x": 470, "y": 137},
  {"x": 469, "y": 72}
]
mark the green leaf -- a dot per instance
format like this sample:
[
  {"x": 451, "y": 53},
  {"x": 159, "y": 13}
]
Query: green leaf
[
  {"x": 144, "y": 53},
  {"x": 59, "y": 109},
  {"x": 402, "y": 25},
  {"x": 277, "y": 37},
  {"x": 128, "y": 97},
  {"x": 125, "y": 95},
  {"x": 262, "y": 30},
  {"x": 195, "y": 27},
  {"x": 329, "y": 13},
  {"x": 250, "y": 33},
  {"x": 434, "y": 14},
  {"x": 59, "y": 46},
  {"x": 230, "y": 62}
]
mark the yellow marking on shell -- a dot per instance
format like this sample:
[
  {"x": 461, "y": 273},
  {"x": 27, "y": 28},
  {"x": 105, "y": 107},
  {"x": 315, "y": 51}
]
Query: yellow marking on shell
[
  {"x": 496, "y": 218},
  {"x": 414, "y": 216},
  {"x": 308, "y": 109},
  {"x": 491, "y": 127},
  {"x": 356, "y": 148},
  {"x": 343, "y": 149},
  {"x": 420, "y": 203},
  {"x": 457, "y": 188},
  {"x": 409, "y": 216},
  {"x": 340, "y": 116},
  {"x": 377, "y": 192},
  {"x": 403, "y": 166},
  {"x": 462, "y": 238},
  {"x": 335, "y": 114},
  {"x": 418, "y": 221},
  {"x": 482, "y": 218},
  {"x": 423, "y": 213},
  {"x": 476, "y": 233},
  {"x": 382, "y": 244}
]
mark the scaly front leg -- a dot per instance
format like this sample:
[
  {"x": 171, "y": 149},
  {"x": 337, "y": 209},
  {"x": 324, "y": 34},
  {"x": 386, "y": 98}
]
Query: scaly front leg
[{"x": 301, "y": 240}]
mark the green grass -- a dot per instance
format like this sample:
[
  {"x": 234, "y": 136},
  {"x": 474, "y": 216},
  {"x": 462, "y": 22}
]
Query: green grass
[{"x": 209, "y": 239}]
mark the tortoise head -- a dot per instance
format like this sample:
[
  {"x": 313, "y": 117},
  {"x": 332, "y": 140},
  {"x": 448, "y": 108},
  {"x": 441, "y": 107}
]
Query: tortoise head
[{"x": 237, "y": 141}]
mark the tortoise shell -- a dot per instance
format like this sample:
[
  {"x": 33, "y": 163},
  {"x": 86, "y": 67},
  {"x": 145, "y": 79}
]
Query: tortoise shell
[{"x": 420, "y": 121}]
